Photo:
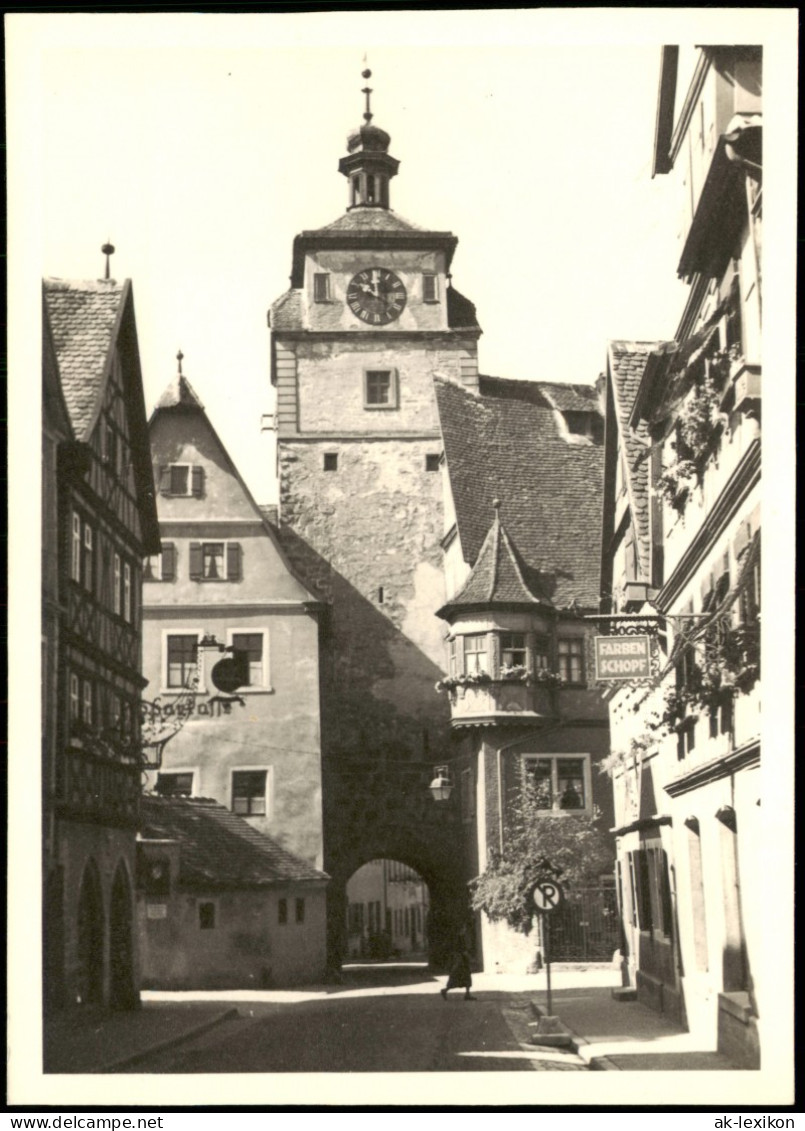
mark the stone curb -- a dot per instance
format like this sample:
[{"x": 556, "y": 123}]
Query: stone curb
[
  {"x": 577, "y": 1043},
  {"x": 169, "y": 1043}
]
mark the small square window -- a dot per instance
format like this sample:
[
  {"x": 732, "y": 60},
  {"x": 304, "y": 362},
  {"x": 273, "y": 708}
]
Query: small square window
[
  {"x": 512, "y": 650},
  {"x": 331, "y": 461},
  {"x": 380, "y": 388},
  {"x": 432, "y": 462},
  {"x": 206, "y": 916},
  {"x": 249, "y": 792},
  {"x": 251, "y": 644},
  {"x": 300, "y": 910},
  {"x": 282, "y": 911}
]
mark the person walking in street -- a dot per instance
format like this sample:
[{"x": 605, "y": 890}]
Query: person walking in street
[{"x": 460, "y": 974}]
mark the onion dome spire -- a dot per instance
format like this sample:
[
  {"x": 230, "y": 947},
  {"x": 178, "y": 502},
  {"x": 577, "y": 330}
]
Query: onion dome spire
[{"x": 368, "y": 165}]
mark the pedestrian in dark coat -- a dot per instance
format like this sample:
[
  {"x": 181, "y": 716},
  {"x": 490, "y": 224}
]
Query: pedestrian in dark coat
[{"x": 460, "y": 974}]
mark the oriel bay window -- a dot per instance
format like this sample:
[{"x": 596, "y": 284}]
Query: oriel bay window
[
  {"x": 558, "y": 783},
  {"x": 513, "y": 652},
  {"x": 249, "y": 792},
  {"x": 476, "y": 653}
]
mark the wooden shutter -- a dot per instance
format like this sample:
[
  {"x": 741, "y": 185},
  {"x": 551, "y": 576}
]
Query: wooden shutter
[
  {"x": 429, "y": 293},
  {"x": 233, "y": 561},
  {"x": 198, "y": 481},
  {"x": 196, "y": 564},
  {"x": 168, "y": 561},
  {"x": 165, "y": 480}
]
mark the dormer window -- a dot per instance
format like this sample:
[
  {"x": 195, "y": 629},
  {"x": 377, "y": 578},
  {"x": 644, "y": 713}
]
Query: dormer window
[{"x": 588, "y": 424}]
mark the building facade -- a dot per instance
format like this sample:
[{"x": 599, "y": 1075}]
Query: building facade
[
  {"x": 523, "y": 473},
  {"x": 387, "y": 912},
  {"x": 682, "y": 548},
  {"x": 222, "y": 906},
  {"x": 370, "y": 315},
  {"x": 99, "y": 519},
  {"x": 252, "y": 740}
]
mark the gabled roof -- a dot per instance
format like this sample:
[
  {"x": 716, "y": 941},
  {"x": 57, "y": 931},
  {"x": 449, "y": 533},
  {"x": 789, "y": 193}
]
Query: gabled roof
[
  {"x": 505, "y": 443},
  {"x": 181, "y": 398},
  {"x": 497, "y": 578},
  {"x": 83, "y": 319},
  {"x": 627, "y": 362},
  {"x": 219, "y": 849},
  {"x": 87, "y": 321}
]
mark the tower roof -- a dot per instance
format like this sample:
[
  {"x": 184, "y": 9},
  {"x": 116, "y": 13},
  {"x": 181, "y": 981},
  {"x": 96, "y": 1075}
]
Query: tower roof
[{"x": 498, "y": 577}]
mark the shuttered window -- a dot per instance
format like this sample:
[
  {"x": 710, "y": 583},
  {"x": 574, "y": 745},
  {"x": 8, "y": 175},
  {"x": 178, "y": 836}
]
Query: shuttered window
[
  {"x": 430, "y": 287},
  {"x": 168, "y": 561},
  {"x": 215, "y": 561},
  {"x": 182, "y": 479},
  {"x": 321, "y": 287}
]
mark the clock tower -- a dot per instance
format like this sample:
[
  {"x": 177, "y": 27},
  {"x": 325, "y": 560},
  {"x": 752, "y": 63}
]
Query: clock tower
[{"x": 370, "y": 317}]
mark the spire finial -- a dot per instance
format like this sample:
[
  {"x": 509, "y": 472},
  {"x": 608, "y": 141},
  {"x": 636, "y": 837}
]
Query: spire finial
[
  {"x": 179, "y": 357},
  {"x": 367, "y": 90},
  {"x": 496, "y": 505},
  {"x": 108, "y": 250}
]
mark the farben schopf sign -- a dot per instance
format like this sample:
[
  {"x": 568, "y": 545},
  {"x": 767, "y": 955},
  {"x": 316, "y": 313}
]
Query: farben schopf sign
[{"x": 622, "y": 657}]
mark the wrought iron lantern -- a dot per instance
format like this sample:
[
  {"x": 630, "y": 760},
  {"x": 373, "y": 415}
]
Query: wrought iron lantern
[{"x": 441, "y": 787}]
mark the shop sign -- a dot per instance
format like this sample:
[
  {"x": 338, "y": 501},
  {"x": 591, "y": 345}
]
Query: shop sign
[{"x": 622, "y": 657}]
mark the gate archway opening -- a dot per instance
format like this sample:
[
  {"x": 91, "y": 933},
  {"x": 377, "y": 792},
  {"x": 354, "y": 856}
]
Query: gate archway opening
[{"x": 387, "y": 915}]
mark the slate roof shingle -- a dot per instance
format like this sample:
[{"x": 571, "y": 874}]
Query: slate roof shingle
[
  {"x": 371, "y": 220},
  {"x": 504, "y": 443},
  {"x": 83, "y": 316},
  {"x": 627, "y": 361},
  {"x": 219, "y": 849}
]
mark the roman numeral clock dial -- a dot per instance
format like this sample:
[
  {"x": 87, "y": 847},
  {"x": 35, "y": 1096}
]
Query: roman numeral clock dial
[{"x": 376, "y": 296}]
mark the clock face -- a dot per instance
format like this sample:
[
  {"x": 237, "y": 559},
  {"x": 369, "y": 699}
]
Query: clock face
[{"x": 376, "y": 296}]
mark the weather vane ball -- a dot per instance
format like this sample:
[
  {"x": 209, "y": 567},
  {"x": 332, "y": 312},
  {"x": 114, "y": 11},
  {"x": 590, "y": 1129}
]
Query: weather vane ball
[{"x": 367, "y": 74}]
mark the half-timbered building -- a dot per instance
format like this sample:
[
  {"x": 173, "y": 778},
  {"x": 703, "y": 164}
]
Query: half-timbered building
[{"x": 100, "y": 521}]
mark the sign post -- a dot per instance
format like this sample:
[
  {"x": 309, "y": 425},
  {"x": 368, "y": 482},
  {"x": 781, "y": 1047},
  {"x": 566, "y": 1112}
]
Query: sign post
[{"x": 547, "y": 896}]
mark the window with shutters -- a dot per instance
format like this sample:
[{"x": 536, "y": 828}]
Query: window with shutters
[
  {"x": 254, "y": 647},
  {"x": 250, "y": 792},
  {"x": 215, "y": 561},
  {"x": 321, "y": 287},
  {"x": 182, "y": 479},
  {"x": 181, "y": 659},
  {"x": 162, "y": 566},
  {"x": 430, "y": 287}
]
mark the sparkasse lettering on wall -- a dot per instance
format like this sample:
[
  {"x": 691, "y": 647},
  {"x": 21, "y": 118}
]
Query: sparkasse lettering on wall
[{"x": 622, "y": 657}]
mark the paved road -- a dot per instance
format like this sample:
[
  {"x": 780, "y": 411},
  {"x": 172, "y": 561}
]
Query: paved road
[{"x": 379, "y": 1020}]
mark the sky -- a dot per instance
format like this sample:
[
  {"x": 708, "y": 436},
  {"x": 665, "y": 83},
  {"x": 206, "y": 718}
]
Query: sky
[{"x": 201, "y": 145}]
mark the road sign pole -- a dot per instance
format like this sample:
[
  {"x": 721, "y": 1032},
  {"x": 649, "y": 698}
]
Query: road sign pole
[{"x": 546, "y": 931}]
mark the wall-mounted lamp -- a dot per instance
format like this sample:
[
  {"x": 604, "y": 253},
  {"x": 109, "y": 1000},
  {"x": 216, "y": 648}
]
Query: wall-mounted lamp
[{"x": 441, "y": 787}]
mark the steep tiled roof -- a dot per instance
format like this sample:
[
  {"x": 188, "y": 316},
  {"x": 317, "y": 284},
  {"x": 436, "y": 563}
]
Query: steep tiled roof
[
  {"x": 286, "y": 312},
  {"x": 371, "y": 220},
  {"x": 497, "y": 577},
  {"x": 627, "y": 360},
  {"x": 180, "y": 394},
  {"x": 460, "y": 311},
  {"x": 504, "y": 443},
  {"x": 570, "y": 398},
  {"x": 220, "y": 849},
  {"x": 83, "y": 316}
]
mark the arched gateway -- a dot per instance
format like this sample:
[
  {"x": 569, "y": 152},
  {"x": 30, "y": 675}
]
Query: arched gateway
[{"x": 371, "y": 315}]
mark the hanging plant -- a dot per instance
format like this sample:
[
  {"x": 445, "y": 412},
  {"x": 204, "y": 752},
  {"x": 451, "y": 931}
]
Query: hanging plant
[{"x": 468, "y": 679}]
